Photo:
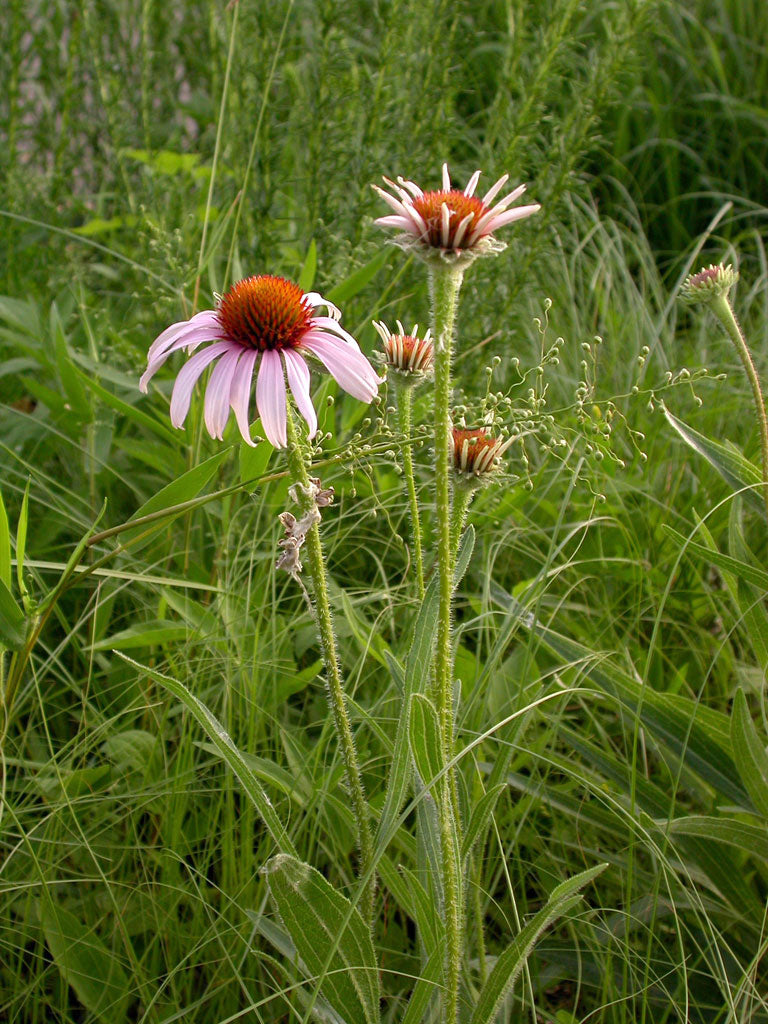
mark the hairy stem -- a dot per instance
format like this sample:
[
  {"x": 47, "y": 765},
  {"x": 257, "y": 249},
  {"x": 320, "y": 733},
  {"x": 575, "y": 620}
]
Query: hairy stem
[
  {"x": 721, "y": 308},
  {"x": 404, "y": 406},
  {"x": 445, "y": 283},
  {"x": 322, "y": 611}
]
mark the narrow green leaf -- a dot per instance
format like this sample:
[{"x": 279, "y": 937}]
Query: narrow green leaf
[
  {"x": 481, "y": 815},
  {"x": 254, "y": 461},
  {"x": 12, "y": 621},
  {"x": 308, "y": 271},
  {"x": 425, "y": 740},
  {"x": 21, "y": 542},
  {"x": 98, "y": 978},
  {"x": 749, "y": 838},
  {"x": 508, "y": 966},
  {"x": 186, "y": 487},
  {"x": 227, "y": 750},
  {"x": 5, "y": 546},
  {"x": 428, "y": 983},
  {"x": 130, "y": 412},
  {"x": 145, "y": 634},
  {"x": 71, "y": 378},
  {"x": 409, "y": 680},
  {"x": 749, "y": 754},
  {"x": 359, "y": 279},
  {"x": 742, "y": 570},
  {"x": 330, "y": 936},
  {"x": 738, "y": 472}
]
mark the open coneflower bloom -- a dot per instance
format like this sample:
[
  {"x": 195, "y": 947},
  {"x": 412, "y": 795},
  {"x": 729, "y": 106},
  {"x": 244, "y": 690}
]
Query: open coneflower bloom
[
  {"x": 449, "y": 223},
  {"x": 263, "y": 325}
]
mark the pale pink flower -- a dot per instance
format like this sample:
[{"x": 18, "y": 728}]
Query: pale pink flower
[
  {"x": 265, "y": 326},
  {"x": 449, "y": 224}
]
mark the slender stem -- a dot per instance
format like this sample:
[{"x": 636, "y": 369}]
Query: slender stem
[
  {"x": 462, "y": 499},
  {"x": 445, "y": 283},
  {"x": 322, "y": 610},
  {"x": 404, "y": 406},
  {"x": 721, "y": 308},
  {"x": 477, "y": 903}
]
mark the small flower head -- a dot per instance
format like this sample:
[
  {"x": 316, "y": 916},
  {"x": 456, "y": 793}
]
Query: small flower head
[
  {"x": 448, "y": 224},
  {"x": 264, "y": 326},
  {"x": 476, "y": 455},
  {"x": 407, "y": 356},
  {"x": 713, "y": 282}
]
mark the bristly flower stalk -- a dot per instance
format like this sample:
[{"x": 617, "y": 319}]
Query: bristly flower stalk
[{"x": 711, "y": 287}]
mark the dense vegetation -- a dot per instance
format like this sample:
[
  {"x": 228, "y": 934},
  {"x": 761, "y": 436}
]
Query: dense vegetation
[{"x": 614, "y": 601}]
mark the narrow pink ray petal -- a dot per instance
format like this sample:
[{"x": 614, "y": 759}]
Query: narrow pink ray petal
[
  {"x": 349, "y": 367},
  {"x": 446, "y": 179},
  {"x": 481, "y": 228},
  {"x": 240, "y": 393},
  {"x": 189, "y": 339},
  {"x": 411, "y": 187},
  {"x": 217, "y": 393},
  {"x": 270, "y": 399},
  {"x": 494, "y": 190},
  {"x": 404, "y": 223},
  {"x": 298, "y": 380},
  {"x": 472, "y": 184},
  {"x": 205, "y": 318},
  {"x": 445, "y": 218},
  {"x": 327, "y": 324},
  {"x": 511, "y": 216},
  {"x": 188, "y": 376},
  {"x": 393, "y": 203},
  {"x": 315, "y": 300},
  {"x": 461, "y": 229},
  {"x": 508, "y": 199}
]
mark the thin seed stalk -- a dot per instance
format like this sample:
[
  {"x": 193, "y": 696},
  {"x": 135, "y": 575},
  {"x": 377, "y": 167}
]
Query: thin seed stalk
[
  {"x": 445, "y": 283},
  {"x": 721, "y": 308},
  {"x": 404, "y": 407},
  {"x": 462, "y": 499},
  {"x": 322, "y": 612}
]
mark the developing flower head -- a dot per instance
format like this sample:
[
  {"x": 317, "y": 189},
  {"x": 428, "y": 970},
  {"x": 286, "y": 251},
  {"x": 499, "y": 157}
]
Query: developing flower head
[
  {"x": 409, "y": 357},
  {"x": 477, "y": 455},
  {"x": 264, "y": 325},
  {"x": 449, "y": 225},
  {"x": 713, "y": 282}
]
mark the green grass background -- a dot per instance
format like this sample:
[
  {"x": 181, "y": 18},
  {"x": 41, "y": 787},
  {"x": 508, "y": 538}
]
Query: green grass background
[{"x": 155, "y": 152}]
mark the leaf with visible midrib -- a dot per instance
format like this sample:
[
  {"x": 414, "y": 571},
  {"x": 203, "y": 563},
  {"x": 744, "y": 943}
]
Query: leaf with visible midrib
[
  {"x": 749, "y": 754},
  {"x": 98, "y": 979},
  {"x": 318, "y": 917}
]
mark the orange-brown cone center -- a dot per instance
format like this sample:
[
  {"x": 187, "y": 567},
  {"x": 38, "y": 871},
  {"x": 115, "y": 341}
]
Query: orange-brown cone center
[
  {"x": 265, "y": 313},
  {"x": 430, "y": 206}
]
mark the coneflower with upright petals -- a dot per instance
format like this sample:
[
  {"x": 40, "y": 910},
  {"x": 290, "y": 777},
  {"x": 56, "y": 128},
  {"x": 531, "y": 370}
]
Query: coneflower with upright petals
[
  {"x": 263, "y": 325},
  {"x": 408, "y": 356},
  {"x": 477, "y": 455},
  {"x": 449, "y": 224}
]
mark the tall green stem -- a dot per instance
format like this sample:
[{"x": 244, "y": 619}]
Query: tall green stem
[
  {"x": 721, "y": 308},
  {"x": 322, "y": 610},
  {"x": 462, "y": 499},
  {"x": 404, "y": 406},
  {"x": 445, "y": 283}
]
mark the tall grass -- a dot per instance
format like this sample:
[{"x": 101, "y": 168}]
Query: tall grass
[{"x": 124, "y": 837}]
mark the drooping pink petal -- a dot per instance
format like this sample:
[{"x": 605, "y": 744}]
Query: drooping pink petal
[
  {"x": 298, "y": 380},
  {"x": 190, "y": 339},
  {"x": 240, "y": 393},
  {"x": 348, "y": 366},
  {"x": 218, "y": 391},
  {"x": 188, "y": 376},
  {"x": 205, "y": 318},
  {"x": 329, "y": 324},
  {"x": 315, "y": 300},
  {"x": 270, "y": 398}
]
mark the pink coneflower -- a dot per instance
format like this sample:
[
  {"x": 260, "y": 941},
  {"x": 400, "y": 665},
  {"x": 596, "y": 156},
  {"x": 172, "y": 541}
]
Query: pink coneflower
[
  {"x": 708, "y": 284},
  {"x": 450, "y": 224},
  {"x": 476, "y": 453},
  {"x": 269, "y": 323},
  {"x": 410, "y": 356}
]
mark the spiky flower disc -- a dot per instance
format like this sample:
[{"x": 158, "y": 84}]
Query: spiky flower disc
[
  {"x": 448, "y": 224},
  {"x": 713, "y": 282},
  {"x": 476, "y": 453},
  {"x": 264, "y": 325},
  {"x": 410, "y": 357}
]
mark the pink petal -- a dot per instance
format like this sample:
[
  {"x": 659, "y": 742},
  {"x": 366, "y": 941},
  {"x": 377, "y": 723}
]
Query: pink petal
[
  {"x": 411, "y": 186},
  {"x": 188, "y": 376},
  {"x": 445, "y": 217},
  {"x": 405, "y": 223},
  {"x": 205, "y": 318},
  {"x": 298, "y": 379},
  {"x": 494, "y": 190},
  {"x": 446, "y": 179},
  {"x": 315, "y": 300},
  {"x": 218, "y": 391},
  {"x": 395, "y": 204},
  {"x": 511, "y": 216},
  {"x": 191, "y": 339},
  {"x": 348, "y": 366},
  {"x": 331, "y": 325},
  {"x": 509, "y": 199},
  {"x": 270, "y": 399},
  {"x": 472, "y": 184},
  {"x": 461, "y": 230},
  {"x": 240, "y": 393}
]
